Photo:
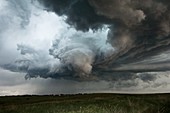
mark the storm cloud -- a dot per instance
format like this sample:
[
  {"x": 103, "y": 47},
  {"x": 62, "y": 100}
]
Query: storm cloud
[
  {"x": 138, "y": 30},
  {"x": 111, "y": 40}
]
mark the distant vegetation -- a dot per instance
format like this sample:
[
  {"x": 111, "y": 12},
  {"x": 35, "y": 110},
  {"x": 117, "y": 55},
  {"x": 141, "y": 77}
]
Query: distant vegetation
[{"x": 87, "y": 103}]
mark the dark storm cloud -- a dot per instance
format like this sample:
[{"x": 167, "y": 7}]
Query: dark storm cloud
[
  {"x": 138, "y": 30},
  {"x": 35, "y": 64},
  {"x": 142, "y": 29},
  {"x": 80, "y": 13},
  {"x": 81, "y": 60},
  {"x": 71, "y": 57}
]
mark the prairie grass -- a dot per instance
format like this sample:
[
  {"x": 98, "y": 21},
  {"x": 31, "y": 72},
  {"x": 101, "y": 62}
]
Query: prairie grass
[{"x": 88, "y": 103}]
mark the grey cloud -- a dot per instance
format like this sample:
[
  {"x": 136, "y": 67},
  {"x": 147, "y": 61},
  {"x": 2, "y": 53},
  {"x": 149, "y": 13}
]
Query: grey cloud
[
  {"x": 10, "y": 78},
  {"x": 15, "y": 10},
  {"x": 137, "y": 30},
  {"x": 135, "y": 34},
  {"x": 86, "y": 55},
  {"x": 12, "y": 83},
  {"x": 73, "y": 56},
  {"x": 79, "y": 13},
  {"x": 14, "y": 15}
]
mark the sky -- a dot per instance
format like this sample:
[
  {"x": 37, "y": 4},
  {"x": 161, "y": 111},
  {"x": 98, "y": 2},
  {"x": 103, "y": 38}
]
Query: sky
[{"x": 49, "y": 50}]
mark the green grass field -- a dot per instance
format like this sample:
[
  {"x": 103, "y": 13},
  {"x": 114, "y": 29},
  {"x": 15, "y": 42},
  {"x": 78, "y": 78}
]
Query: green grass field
[{"x": 87, "y": 103}]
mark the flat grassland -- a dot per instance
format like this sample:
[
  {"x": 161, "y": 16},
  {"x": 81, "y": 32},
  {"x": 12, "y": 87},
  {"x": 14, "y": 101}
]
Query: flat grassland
[{"x": 86, "y": 103}]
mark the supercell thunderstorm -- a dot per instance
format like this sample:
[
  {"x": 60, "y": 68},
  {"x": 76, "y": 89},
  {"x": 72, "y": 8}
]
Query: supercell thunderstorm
[{"x": 101, "y": 39}]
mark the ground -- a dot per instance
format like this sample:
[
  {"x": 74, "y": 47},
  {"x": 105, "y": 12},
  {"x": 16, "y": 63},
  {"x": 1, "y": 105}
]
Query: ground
[{"x": 86, "y": 103}]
